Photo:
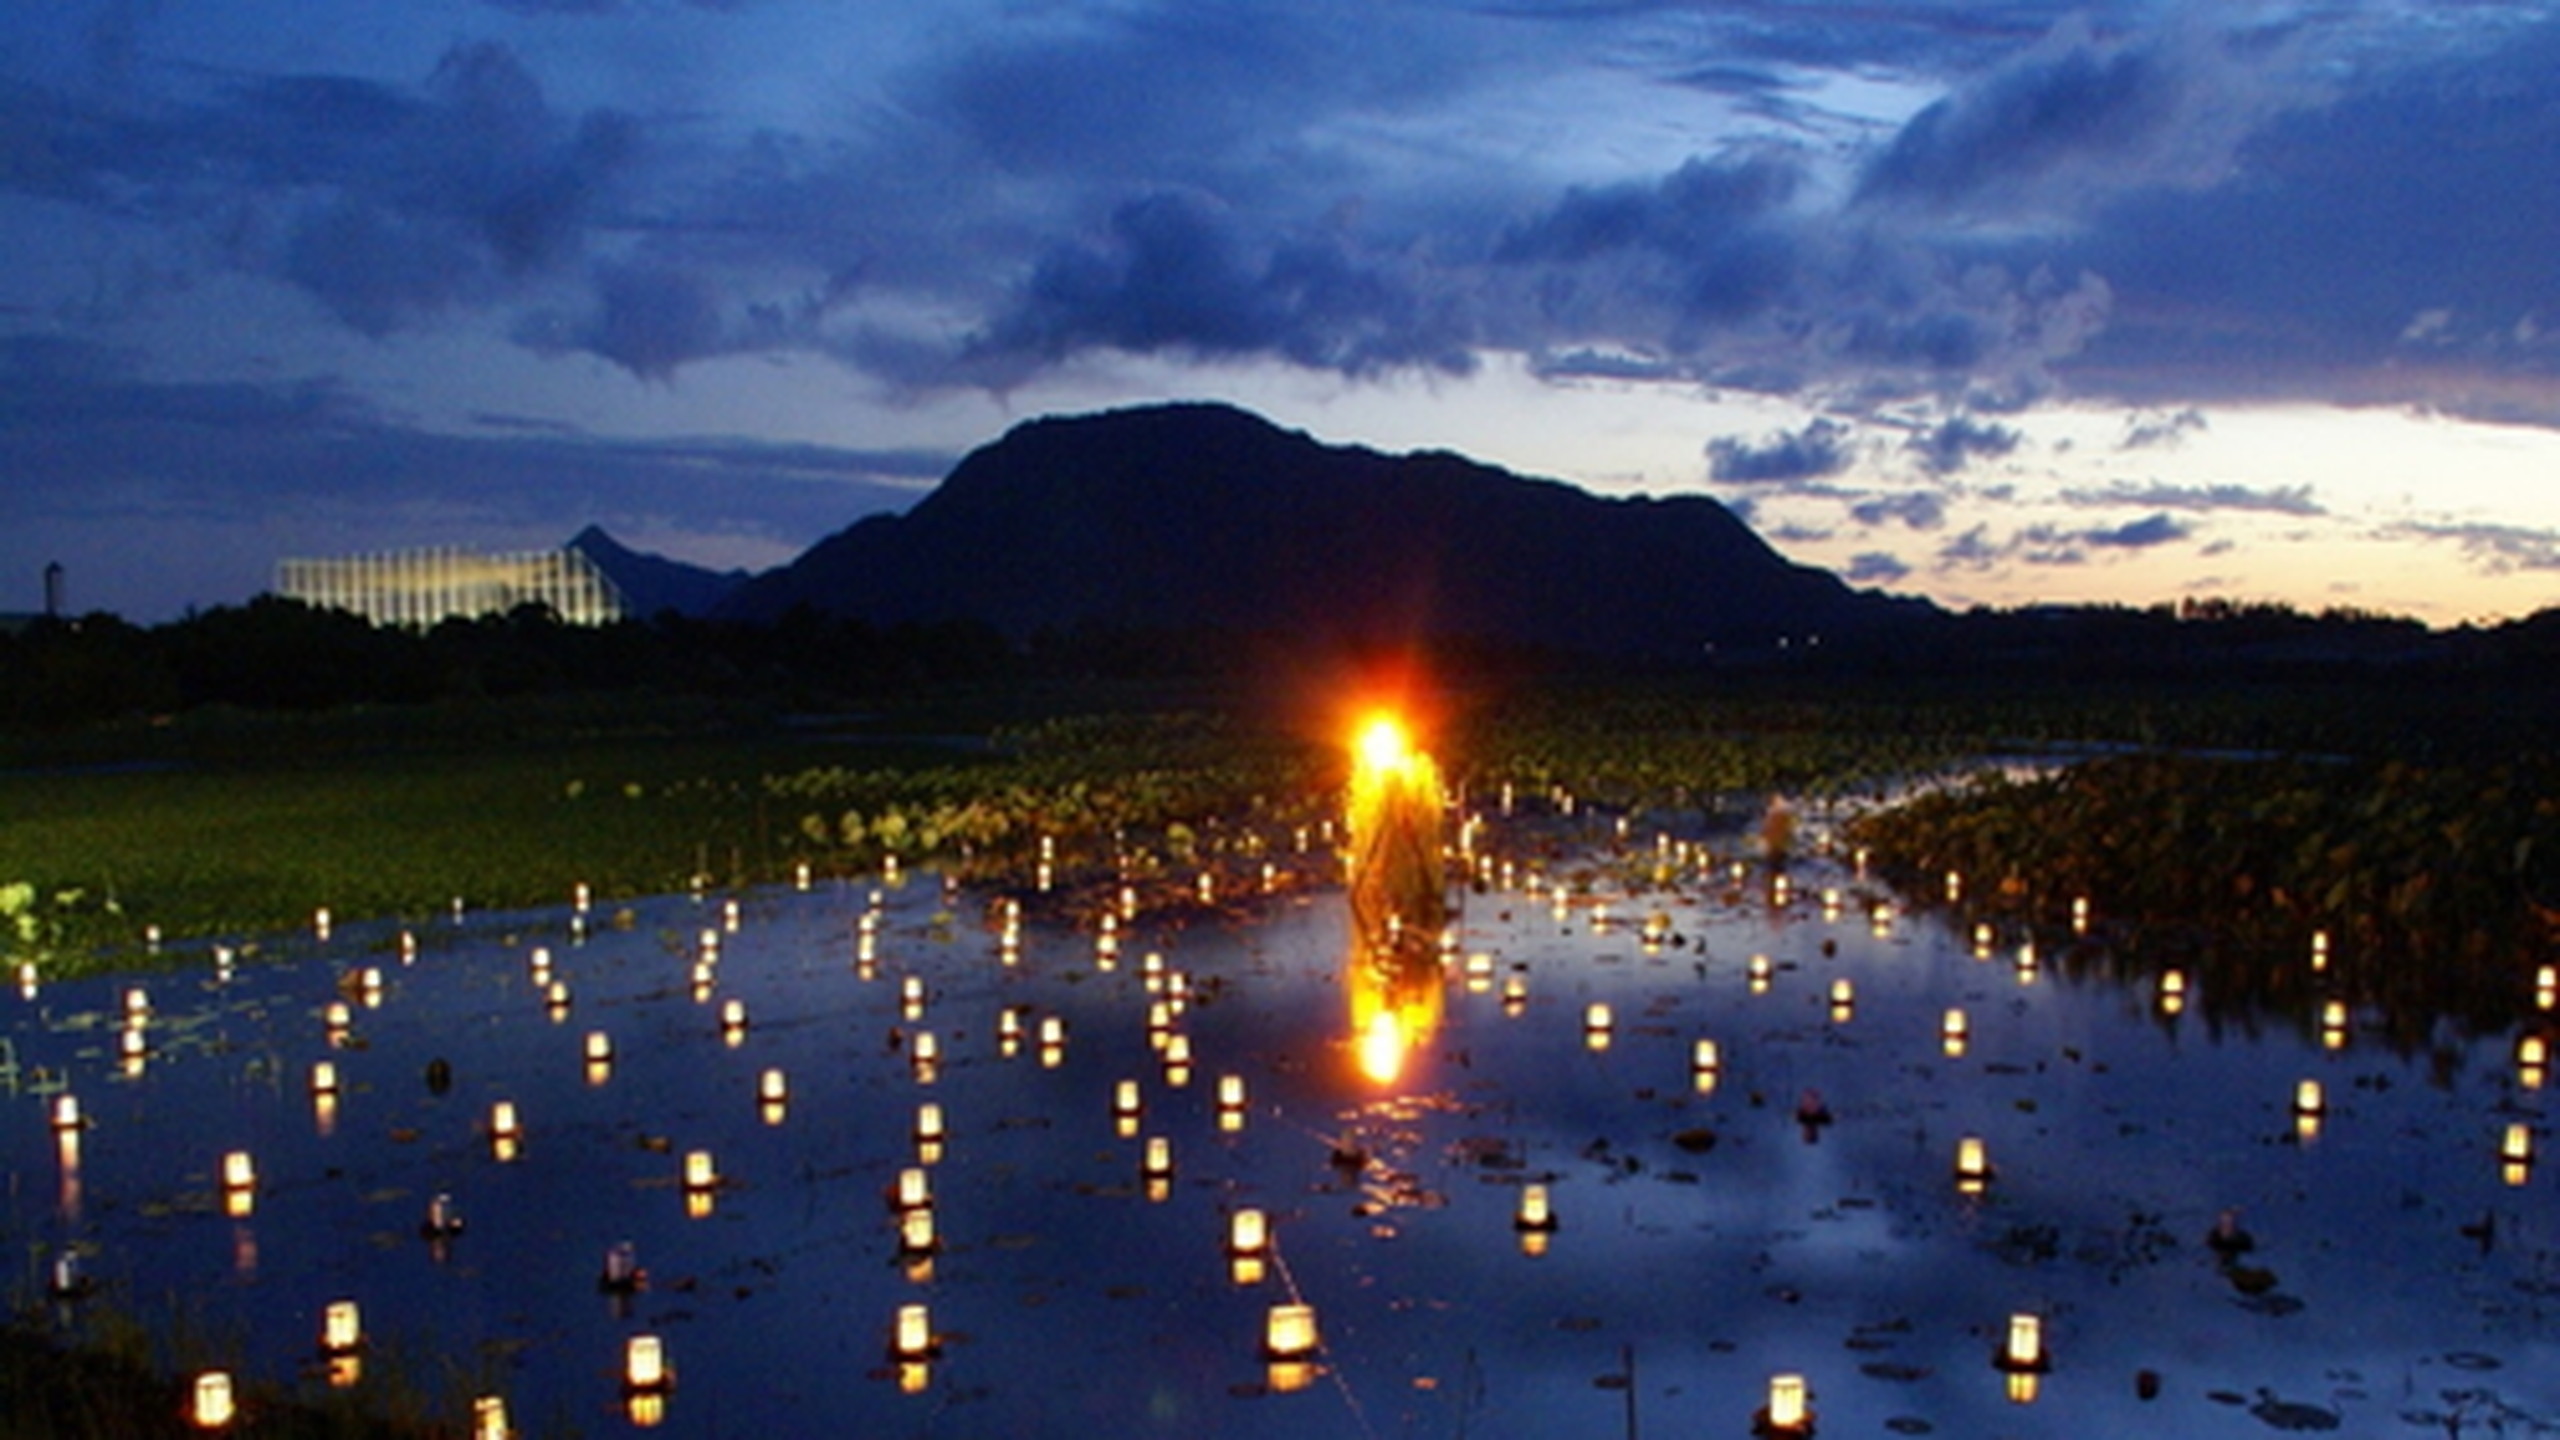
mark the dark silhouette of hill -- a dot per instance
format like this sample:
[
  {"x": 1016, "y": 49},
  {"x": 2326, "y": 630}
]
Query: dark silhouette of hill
[
  {"x": 653, "y": 583},
  {"x": 1201, "y": 517}
]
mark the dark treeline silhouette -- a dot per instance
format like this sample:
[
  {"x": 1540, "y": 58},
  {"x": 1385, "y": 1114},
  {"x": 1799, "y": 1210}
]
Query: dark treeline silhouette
[{"x": 276, "y": 654}]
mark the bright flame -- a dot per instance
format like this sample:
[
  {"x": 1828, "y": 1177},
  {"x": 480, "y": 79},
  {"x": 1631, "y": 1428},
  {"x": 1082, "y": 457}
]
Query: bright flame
[
  {"x": 1382, "y": 744},
  {"x": 1382, "y": 1047}
]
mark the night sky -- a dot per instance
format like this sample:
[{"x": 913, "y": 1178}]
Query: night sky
[{"x": 1991, "y": 302}]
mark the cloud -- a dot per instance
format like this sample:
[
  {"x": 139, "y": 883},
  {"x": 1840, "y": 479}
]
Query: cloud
[
  {"x": 2271, "y": 500},
  {"x": 2495, "y": 549},
  {"x": 1821, "y": 448},
  {"x": 1874, "y": 567},
  {"x": 2159, "y": 528},
  {"x": 2151, "y": 431},
  {"x": 1918, "y": 509},
  {"x": 1955, "y": 443}
]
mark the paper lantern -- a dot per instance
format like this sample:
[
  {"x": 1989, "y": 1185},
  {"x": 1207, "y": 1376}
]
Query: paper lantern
[
  {"x": 915, "y": 1231},
  {"x": 913, "y": 1337},
  {"x": 1790, "y": 1410},
  {"x": 341, "y": 1328},
  {"x": 2024, "y": 1348},
  {"x": 1953, "y": 1032},
  {"x": 66, "y": 1112},
  {"x": 644, "y": 1365},
  {"x": 210, "y": 1406},
  {"x": 1158, "y": 1163},
  {"x": 2308, "y": 1101},
  {"x": 1289, "y": 1332},
  {"x": 1248, "y": 1232},
  {"x": 1534, "y": 1214},
  {"x": 1973, "y": 1165},
  {"x": 239, "y": 1172},
  {"x": 915, "y": 1189},
  {"x": 700, "y": 1171},
  {"x": 489, "y": 1419}
]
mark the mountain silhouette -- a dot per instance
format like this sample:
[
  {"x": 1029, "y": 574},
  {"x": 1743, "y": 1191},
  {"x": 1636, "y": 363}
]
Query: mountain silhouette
[
  {"x": 1203, "y": 517},
  {"x": 653, "y": 583}
]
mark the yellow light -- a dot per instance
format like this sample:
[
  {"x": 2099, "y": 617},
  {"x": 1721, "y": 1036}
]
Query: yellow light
[
  {"x": 2025, "y": 1349},
  {"x": 2319, "y": 950},
  {"x": 2517, "y": 1147},
  {"x": 1973, "y": 1165},
  {"x": 489, "y": 1419},
  {"x": 599, "y": 1047},
  {"x": 502, "y": 1121},
  {"x": 773, "y": 1087},
  {"x": 1955, "y": 887},
  {"x": 1534, "y": 1213},
  {"x": 1248, "y": 1232},
  {"x": 913, "y": 1338},
  {"x": 1382, "y": 1047},
  {"x": 1053, "y": 1033},
  {"x": 1159, "y": 1157},
  {"x": 644, "y": 1365},
  {"x": 1954, "y": 1031},
  {"x": 1596, "y": 1017},
  {"x": 700, "y": 1171},
  {"x": 2307, "y": 1099},
  {"x": 646, "y": 1409},
  {"x": 1382, "y": 743},
  {"x": 1704, "y": 1058},
  {"x": 1843, "y": 994},
  {"x": 1230, "y": 1092},
  {"x": 341, "y": 1327},
  {"x": 925, "y": 1049},
  {"x": 915, "y": 1188},
  {"x": 733, "y": 1015},
  {"x": 212, "y": 1407},
  {"x": 2173, "y": 991},
  {"x": 1790, "y": 1410},
  {"x": 1289, "y": 1332},
  {"x": 239, "y": 1172},
  {"x": 915, "y": 1231},
  {"x": 66, "y": 1112}
]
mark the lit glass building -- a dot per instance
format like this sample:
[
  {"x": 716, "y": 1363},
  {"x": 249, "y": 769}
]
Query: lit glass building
[{"x": 417, "y": 588}]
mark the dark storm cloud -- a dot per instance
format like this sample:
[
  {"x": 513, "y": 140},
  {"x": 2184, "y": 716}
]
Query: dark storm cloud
[
  {"x": 80, "y": 436},
  {"x": 1821, "y": 448},
  {"x": 2271, "y": 500},
  {"x": 1958, "y": 441}
]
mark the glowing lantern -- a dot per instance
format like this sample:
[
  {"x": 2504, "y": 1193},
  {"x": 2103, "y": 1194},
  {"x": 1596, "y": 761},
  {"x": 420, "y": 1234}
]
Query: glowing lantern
[
  {"x": 2173, "y": 991},
  {"x": 2517, "y": 1147},
  {"x": 733, "y": 1016},
  {"x": 2533, "y": 1055},
  {"x": 556, "y": 999},
  {"x": 2319, "y": 950},
  {"x": 700, "y": 1171},
  {"x": 66, "y": 1112},
  {"x": 1953, "y": 1032},
  {"x": 599, "y": 1048},
  {"x": 773, "y": 1087},
  {"x": 239, "y": 1172},
  {"x": 1289, "y": 1332},
  {"x": 929, "y": 1129},
  {"x": 1844, "y": 998},
  {"x": 1230, "y": 1092},
  {"x": 1973, "y": 1166},
  {"x": 644, "y": 1366},
  {"x": 2333, "y": 1024},
  {"x": 137, "y": 1005},
  {"x": 1126, "y": 1106},
  {"x": 1596, "y": 1025},
  {"x": 2080, "y": 915},
  {"x": 489, "y": 1418},
  {"x": 211, "y": 1406},
  {"x": 1158, "y": 1164},
  {"x": 915, "y": 1231},
  {"x": 1534, "y": 1214},
  {"x": 2024, "y": 1349},
  {"x": 1515, "y": 995},
  {"x": 1248, "y": 1232},
  {"x": 925, "y": 1050},
  {"x": 913, "y": 1337},
  {"x": 320, "y": 922},
  {"x": 911, "y": 997},
  {"x": 915, "y": 1189},
  {"x": 2546, "y": 987},
  {"x": 1704, "y": 1061},
  {"x": 341, "y": 1328},
  {"x": 2308, "y": 1101},
  {"x": 1758, "y": 970},
  {"x": 1790, "y": 1409}
]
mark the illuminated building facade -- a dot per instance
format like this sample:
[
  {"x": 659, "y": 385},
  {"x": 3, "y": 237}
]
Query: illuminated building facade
[{"x": 418, "y": 588}]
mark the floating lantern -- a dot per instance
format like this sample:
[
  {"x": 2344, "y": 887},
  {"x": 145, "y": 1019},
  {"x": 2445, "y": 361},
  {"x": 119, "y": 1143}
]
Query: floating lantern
[
  {"x": 1009, "y": 1031},
  {"x": 239, "y": 1172},
  {"x": 599, "y": 1048},
  {"x": 1844, "y": 998},
  {"x": 2546, "y": 987},
  {"x": 700, "y": 1172},
  {"x": 911, "y": 997},
  {"x": 502, "y": 1121},
  {"x": 929, "y": 1123},
  {"x": 2024, "y": 1349},
  {"x": 581, "y": 897},
  {"x": 2319, "y": 951},
  {"x": 915, "y": 1189},
  {"x": 1955, "y": 887},
  {"x": 1230, "y": 1092},
  {"x": 1790, "y": 1408},
  {"x": 2027, "y": 963},
  {"x": 489, "y": 1419},
  {"x": 556, "y": 1000},
  {"x": 1248, "y": 1232},
  {"x": 1126, "y": 1106},
  {"x": 2333, "y": 1024},
  {"x": 1158, "y": 1164},
  {"x": 2080, "y": 915},
  {"x": 644, "y": 1366},
  {"x": 320, "y": 922},
  {"x": 1515, "y": 995},
  {"x": 924, "y": 1053},
  {"x": 133, "y": 1047},
  {"x": 1953, "y": 1032},
  {"x": 729, "y": 916},
  {"x": 2308, "y": 1101},
  {"x": 1289, "y": 1332},
  {"x": 540, "y": 964},
  {"x": 913, "y": 1337},
  {"x": 1596, "y": 1024},
  {"x": 1779, "y": 891},
  {"x": 1973, "y": 1166},
  {"x": 1534, "y": 1215},
  {"x": 2173, "y": 991},
  {"x": 341, "y": 1328},
  {"x": 336, "y": 1019},
  {"x": 26, "y": 979},
  {"x": 137, "y": 1005},
  {"x": 2533, "y": 1056},
  {"x": 66, "y": 1113},
  {"x": 1758, "y": 970},
  {"x": 773, "y": 1095},
  {"x": 1982, "y": 941},
  {"x": 2517, "y": 1148},
  {"x": 733, "y": 1017},
  {"x": 915, "y": 1232},
  {"x": 210, "y": 1405}
]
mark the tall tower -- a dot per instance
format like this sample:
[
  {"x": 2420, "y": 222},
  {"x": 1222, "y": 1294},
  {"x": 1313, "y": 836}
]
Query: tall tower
[{"x": 53, "y": 590}]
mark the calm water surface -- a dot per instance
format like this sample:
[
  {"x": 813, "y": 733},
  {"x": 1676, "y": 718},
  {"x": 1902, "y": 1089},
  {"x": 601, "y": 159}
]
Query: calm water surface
[{"x": 2398, "y": 1283}]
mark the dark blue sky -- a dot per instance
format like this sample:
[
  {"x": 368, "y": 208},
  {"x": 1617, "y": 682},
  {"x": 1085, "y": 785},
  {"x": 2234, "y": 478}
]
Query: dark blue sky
[{"x": 1987, "y": 301}]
